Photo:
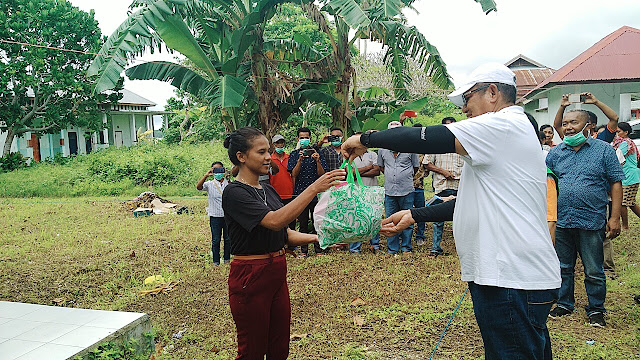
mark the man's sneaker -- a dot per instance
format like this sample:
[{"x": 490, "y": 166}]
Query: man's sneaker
[
  {"x": 420, "y": 242},
  {"x": 558, "y": 312},
  {"x": 597, "y": 320}
]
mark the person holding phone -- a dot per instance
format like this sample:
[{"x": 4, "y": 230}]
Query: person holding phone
[
  {"x": 588, "y": 98},
  {"x": 257, "y": 220},
  {"x": 214, "y": 189},
  {"x": 306, "y": 165}
]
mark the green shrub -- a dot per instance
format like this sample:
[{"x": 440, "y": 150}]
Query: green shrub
[
  {"x": 169, "y": 170},
  {"x": 12, "y": 161}
]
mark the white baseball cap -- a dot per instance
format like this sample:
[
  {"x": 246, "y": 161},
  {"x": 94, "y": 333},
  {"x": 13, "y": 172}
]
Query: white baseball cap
[
  {"x": 394, "y": 124},
  {"x": 486, "y": 73},
  {"x": 277, "y": 138}
]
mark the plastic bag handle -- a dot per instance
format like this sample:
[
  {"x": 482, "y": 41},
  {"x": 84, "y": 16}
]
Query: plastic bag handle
[{"x": 350, "y": 172}]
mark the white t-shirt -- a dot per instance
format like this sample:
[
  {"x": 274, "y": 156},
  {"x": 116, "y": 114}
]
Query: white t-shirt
[
  {"x": 499, "y": 223},
  {"x": 214, "y": 190},
  {"x": 368, "y": 158}
]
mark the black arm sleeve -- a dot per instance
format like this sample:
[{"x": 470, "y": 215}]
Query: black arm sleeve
[
  {"x": 435, "y": 139},
  {"x": 434, "y": 213}
]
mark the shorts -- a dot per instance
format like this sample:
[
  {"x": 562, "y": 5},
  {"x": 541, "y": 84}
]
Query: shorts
[{"x": 629, "y": 195}]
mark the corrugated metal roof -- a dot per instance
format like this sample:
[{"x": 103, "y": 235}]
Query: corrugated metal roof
[
  {"x": 527, "y": 79},
  {"x": 531, "y": 77},
  {"x": 615, "y": 57}
]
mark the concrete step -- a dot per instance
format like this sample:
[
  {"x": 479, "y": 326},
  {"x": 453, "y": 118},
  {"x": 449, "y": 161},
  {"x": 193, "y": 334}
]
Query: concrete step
[{"x": 32, "y": 331}]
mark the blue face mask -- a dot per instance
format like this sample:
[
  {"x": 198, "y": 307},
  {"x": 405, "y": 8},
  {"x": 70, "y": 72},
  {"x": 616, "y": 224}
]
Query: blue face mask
[
  {"x": 304, "y": 142},
  {"x": 576, "y": 139},
  {"x": 279, "y": 150},
  {"x": 337, "y": 143},
  {"x": 218, "y": 176}
]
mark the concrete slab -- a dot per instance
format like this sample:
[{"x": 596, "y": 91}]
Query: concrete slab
[{"x": 32, "y": 331}]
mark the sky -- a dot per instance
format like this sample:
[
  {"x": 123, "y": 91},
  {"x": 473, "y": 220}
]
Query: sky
[{"x": 551, "y": 32}]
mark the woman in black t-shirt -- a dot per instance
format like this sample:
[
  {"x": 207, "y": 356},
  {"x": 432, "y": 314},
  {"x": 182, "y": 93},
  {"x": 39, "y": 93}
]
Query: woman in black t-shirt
[{"x": 257, "y": 222}]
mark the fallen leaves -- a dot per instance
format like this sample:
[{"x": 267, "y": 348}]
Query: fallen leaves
[
  {"x": 358, "y": 302},
  {"x": 358, "y": 320},
  {"x": 295, "y": 337},
  {"x": 160, "y": 288}
]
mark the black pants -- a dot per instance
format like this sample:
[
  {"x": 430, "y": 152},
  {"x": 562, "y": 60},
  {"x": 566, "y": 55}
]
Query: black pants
[{"x": 307, "y": 214}]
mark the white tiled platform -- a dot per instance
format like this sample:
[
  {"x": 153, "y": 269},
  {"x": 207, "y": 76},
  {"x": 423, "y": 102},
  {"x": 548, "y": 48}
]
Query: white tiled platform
[{"x": 30, "y": 331}]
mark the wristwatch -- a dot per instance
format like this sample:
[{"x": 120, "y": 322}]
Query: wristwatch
[{"x": 364, "y": 138}]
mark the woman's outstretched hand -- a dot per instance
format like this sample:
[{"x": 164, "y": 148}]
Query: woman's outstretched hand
[
  {"x": 397, "y": 222},
  {"x": 328, "y": 179}
]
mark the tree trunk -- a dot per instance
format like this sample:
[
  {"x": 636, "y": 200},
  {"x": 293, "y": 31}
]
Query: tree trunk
[
  {"x": 8, "y": 141},
  {"x": 268, "y": 112},
  {"x": 341, "y": 115}
]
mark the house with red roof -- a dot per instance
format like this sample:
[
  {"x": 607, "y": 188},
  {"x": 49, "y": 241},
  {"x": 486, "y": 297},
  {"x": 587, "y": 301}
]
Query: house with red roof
[
  {"x": 610, "y": 69},
  {"x": 529, "y": 73}
]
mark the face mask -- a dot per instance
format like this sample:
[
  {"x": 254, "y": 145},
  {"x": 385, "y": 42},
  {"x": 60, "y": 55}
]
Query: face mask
[
  {"x": 218, "y": 176},
  {"x": 279, "y": 150},
  {"x": 337, "y": 143},
  {"x": 577, "y": 139},
  {"x": 304, "y": 142}
]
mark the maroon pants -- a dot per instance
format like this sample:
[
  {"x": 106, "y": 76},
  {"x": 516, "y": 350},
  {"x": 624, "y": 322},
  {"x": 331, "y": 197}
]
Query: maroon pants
[{"x": 259, "y": 300}]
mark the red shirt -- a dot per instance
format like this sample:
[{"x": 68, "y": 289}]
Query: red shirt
[{"x": 282, "y": 181}]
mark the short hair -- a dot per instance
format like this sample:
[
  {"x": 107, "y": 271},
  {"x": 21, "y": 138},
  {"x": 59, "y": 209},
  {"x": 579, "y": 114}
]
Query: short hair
[
  {"x": 303, "y": 129},
  {"x": 625, "y": 127},
  {"x": 217, "y": 163},
  {"x": 508, "y": 92},
  {"x": 417, "y": 125},
  {"x": 336, "y": 128},
  {"x": 593, "y": 118},
  {"x": 544, "y": 126},
  {"x": 448, "y": 118},
  {"x": 584, "y": 114},
  {"x": 533, "y": 121},
  {"x": 541, "y": 136},
  {"x": 240, "y": 140}
]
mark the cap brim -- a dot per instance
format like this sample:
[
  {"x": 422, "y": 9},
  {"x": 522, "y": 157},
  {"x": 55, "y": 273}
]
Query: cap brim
[{"x": 456, "y": 96}]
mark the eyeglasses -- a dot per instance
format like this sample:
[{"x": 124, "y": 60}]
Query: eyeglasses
[{"x": 465, "y": 97}]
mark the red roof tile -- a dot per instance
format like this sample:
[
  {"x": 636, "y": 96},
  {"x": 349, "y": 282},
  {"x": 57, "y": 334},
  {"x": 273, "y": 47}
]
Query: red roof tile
[{"x": 615, "y": 57}]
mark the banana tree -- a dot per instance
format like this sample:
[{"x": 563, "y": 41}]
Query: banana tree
[
  {"x": 225, "y": 47},
  {"x": 381, "y": 21}
]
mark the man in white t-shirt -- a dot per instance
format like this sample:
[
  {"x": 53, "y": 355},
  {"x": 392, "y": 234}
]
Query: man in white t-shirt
[
  {"x": 499, "y": 221},
  {"x": 367, "y": 165}
]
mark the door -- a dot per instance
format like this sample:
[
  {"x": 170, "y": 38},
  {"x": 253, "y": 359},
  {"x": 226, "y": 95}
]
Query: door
[
  {"x": 87, "y": 142},
  {"x": 35, "y": 144},
  {"x": 73, "y": 143},
  {"x": 118, "y": 138}
]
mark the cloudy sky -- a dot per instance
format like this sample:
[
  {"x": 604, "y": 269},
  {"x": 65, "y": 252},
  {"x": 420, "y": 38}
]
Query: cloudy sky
[{"x": 551, "y": 32}]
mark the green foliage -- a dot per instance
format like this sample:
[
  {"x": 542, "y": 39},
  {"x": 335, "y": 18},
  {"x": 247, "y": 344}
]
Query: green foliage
[
  {"x": 170, "y": 170},
  {"x": 12, "y": 161},
  {"x": 44, "y": 89},
  {"x": 127, "y": 350},
  {"x": 289, "y": 20}
]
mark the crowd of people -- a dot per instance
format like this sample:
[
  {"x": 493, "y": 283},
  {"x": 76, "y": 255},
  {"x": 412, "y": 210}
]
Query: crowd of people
[{"x": 518, "y": 227}]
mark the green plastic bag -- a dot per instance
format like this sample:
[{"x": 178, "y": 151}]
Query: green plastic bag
[{"x": 349, "y": 212}]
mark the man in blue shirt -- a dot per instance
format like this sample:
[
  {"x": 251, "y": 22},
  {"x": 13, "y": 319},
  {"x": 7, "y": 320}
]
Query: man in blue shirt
[
  {"x": 586, "y": 170},
  {"x": 306, "y": 165},
  {"x": 398, "y": 169}
]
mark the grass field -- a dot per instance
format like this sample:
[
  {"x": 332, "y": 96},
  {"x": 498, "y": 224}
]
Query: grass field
[{"x": 96, "y": 255}]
